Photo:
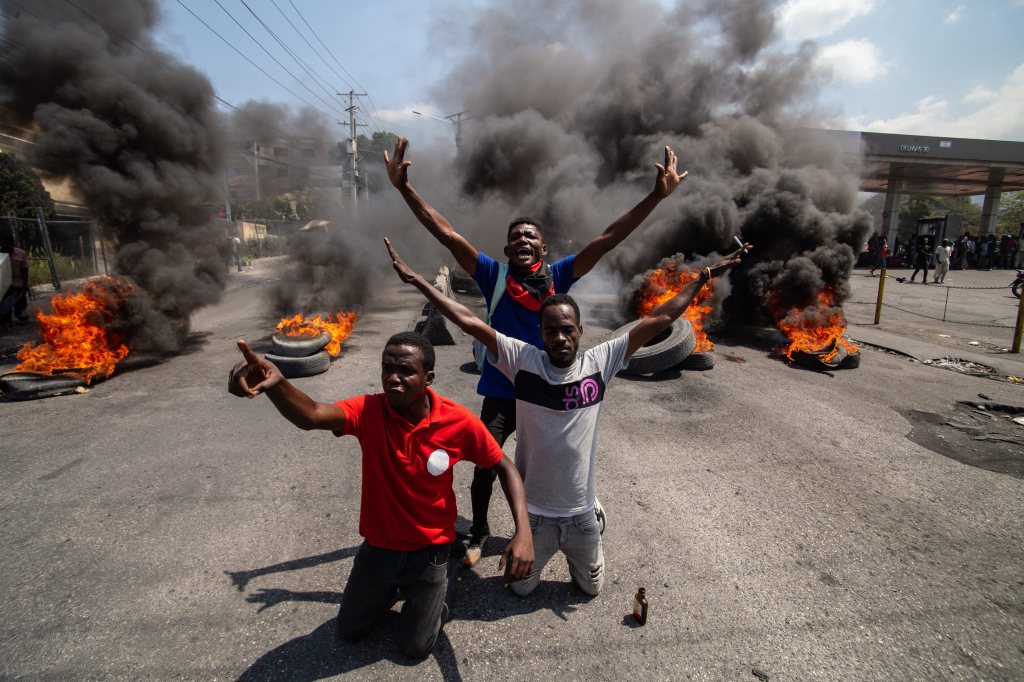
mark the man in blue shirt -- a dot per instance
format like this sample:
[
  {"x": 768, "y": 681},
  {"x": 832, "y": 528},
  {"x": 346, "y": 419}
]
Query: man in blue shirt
[{"x": 514, "y": 293}]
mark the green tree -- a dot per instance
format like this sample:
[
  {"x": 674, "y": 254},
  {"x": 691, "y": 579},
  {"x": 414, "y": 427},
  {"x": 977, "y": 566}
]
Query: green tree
[
  {"x": 916, "y": 207},
  {"x": 1011, "y": 213},
  {"x": 21, "y": 191}
]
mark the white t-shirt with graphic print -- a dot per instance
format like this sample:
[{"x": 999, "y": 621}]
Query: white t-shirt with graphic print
[{"x": 557, "y": 412}]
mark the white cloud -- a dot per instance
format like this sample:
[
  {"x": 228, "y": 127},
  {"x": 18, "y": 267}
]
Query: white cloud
[
  {"x": 980, "y": 94},
  {"x": 1001, "y": 118},
  {"x": 810, "y": 19},
  {"x": 955, "y": 15},
  {"x": 856, "y": 61}
]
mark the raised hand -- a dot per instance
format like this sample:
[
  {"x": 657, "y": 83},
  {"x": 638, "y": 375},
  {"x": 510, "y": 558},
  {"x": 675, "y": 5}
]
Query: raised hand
[
  {"x": 405, "y": 273},
  {"x": 668, "y": 177},
  {"x": 253, "y": 375},
  {"x": 398, "y": 167},
  {"x": 731, "y": 260}
]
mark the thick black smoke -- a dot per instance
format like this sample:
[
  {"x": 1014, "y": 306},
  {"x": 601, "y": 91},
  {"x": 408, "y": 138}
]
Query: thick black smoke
[
  {"x": 572, "y": 103},
  {"x": 138, "y": 136},
  {"x": 327, "y": 270}
]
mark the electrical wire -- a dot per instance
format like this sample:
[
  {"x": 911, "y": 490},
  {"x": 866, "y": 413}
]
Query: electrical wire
[
  {"x": 317, "y": 78},
  {"x": 330, "y": 105},
  {"x": 246, "y": 58},
  {"x": 328, "y": 50}
]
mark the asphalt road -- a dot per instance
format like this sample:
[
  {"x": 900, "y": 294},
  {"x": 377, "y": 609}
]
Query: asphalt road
[{"x": 780, "y": 519}]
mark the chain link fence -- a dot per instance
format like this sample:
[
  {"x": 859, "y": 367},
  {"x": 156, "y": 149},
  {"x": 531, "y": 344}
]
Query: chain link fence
[{"x": 59, "y": 249}]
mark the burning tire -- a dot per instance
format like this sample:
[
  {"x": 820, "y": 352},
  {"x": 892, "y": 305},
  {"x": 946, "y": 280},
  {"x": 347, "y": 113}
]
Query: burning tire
[
  {"x": 299, "y": 346},
  {"x": 699, "y": 361},
  {"x": 816, "y": 359},
  {"x": 851, "y": 361},
  {"x": 30, "y": 386},
  {"x": 293, "y": 368},
  {"x": 666, "y": 350}
]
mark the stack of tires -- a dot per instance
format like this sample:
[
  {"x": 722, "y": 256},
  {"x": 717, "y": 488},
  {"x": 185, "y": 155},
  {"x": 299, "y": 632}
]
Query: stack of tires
[
  {"x": 300, "y": 356},
  {"x": 673, "y": 348}
]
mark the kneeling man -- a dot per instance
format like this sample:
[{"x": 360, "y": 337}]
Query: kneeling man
[
  {"x": 410, "y": 438},
  {"x": 559, "y": 397}
]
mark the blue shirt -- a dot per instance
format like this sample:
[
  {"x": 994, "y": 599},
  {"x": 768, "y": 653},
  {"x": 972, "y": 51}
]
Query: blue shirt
[{"x": 512, "y": 319}]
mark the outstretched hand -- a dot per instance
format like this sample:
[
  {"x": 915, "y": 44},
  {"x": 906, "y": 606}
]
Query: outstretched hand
[
  {"x": 398, "y": 167},
  {"x": 731, "y": 260},
  {"x": 253, "y": 375},
  {"x": 404, "y": 271},
  {"x": 668, "y": 176}
]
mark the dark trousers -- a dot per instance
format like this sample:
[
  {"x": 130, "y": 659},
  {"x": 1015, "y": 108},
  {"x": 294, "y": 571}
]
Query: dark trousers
[
  {"x": 15, "y": 299},
  {"x": 380, "y": 577},
  {"x": 917, "y": 269},
  {"x": 499, "y": 416}
]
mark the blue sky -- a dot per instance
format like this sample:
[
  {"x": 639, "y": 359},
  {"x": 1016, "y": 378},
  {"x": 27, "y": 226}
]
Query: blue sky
[{"x": 904, "y": 66}]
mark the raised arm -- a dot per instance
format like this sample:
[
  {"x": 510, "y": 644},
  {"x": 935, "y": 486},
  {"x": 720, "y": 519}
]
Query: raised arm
[
  {"x": 666, "y": 313},
  {"x": 664, "y": 184},
  {"x": 518, "y": 552},
  {"x": 398, "y": 172},
  {"x": 462, "y": 316},
  {"x": 255, "y": 375}
]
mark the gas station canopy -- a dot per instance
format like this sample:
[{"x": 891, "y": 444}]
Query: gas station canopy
[{"x": 942, "y": 166}]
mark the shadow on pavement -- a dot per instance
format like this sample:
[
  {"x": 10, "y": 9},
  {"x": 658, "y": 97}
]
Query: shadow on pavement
[
  {"x": 321, "y": 654},
  {"x": 241, "y": 578}
]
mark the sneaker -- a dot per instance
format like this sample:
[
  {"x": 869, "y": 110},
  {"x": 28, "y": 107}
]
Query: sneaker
[
  {"x": 599, "y": 513},
  {"x": 475, "y": 550}
]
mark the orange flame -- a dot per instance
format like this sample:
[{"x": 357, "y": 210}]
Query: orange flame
[
  {"x": 77, "y": 338},
  {"x": 814, "y": 328},
  {"x": 338, "y": 325},
  {"x": 664, "y": 283}
]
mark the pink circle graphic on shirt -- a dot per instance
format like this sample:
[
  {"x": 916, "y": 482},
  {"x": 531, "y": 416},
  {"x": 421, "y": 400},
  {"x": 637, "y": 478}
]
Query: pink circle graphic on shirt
[
  {"x": 437, "y": 463},
  {"x": 589, "y": 390}
]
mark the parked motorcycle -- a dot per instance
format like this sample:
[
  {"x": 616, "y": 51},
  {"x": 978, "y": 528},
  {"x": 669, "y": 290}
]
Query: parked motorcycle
[{"x": 1017, "y": 283}]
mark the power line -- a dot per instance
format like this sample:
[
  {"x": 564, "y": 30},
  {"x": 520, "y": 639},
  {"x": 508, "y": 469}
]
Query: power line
[
  {"x": 330, "y": 105},
  {"x": 246, "y": 58},
  {"x": 153, "y": 54},
  {"x": 316, "y": 77},
  {"x": 328, "y": 50},
  {"x": 350, "y": 86}
]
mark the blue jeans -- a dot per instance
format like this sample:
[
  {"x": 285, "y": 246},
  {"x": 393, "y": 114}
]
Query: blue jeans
[
  {"x": 579, "y": 538},
  {"x": 381, "y": 576}
]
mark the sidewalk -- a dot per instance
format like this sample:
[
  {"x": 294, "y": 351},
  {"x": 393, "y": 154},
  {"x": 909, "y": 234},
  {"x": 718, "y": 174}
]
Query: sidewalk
[
  {"x": 979, "y": 309},
  {"x": 1007, "y": 364}
]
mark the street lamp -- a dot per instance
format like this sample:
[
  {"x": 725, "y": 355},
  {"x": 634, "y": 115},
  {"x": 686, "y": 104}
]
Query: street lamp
[{"x": 455, "y": 119}]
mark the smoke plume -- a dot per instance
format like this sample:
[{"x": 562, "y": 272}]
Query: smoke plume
[
  {"x": 138, "y": 136},
  {"x": 573, "y": 102}
]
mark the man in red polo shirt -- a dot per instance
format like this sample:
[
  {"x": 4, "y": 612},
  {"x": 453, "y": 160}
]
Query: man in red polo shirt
[{"x": 411, "y": 438}]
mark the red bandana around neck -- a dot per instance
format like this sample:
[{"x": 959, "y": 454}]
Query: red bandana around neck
[{"x": 531, "y": 289}]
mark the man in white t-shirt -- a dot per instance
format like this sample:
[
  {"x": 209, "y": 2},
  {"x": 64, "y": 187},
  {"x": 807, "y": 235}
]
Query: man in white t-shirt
[
  {"x": 559, "y": 394},
  {"x": 942, "y": 255}
]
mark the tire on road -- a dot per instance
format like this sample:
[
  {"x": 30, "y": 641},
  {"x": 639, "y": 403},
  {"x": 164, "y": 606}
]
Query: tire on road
[
  {"x": 816, "y": 359},
  {"x": 298, "y": 346},
  {"x": 851, "y": 361},
  {"x": 31, "y": 386},
  {"x": 293, "y": 368},
  {"x": 699, "y": 361},
  {"x": 666, "y": 350}
]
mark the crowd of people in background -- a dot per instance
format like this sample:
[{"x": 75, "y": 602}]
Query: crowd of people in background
[{"x": 968, "y": 251}]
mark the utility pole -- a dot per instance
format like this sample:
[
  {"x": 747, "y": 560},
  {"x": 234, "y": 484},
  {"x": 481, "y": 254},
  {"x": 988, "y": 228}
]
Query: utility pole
[
  {"x": 353, "y": 152},
  {"x": 456, "y": 119},
  {"x": 256, "y": 155}
]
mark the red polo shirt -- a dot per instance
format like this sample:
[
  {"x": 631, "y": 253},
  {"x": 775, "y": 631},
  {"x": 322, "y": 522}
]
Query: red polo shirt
[{"x": 407, "y": 499}]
